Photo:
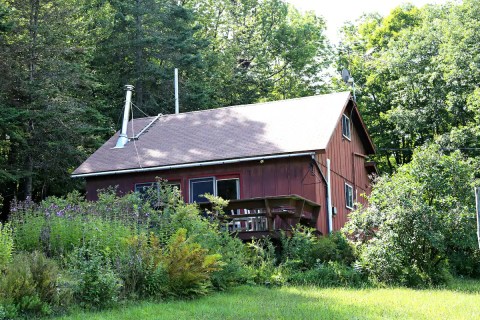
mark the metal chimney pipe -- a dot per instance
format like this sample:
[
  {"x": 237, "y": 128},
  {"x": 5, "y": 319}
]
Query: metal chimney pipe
[
  {"x": 123, "y": 138},
  {"x": 177, "y": 104}
]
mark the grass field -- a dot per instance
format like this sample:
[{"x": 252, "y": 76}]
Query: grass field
[{"x": 461, "y": 300}]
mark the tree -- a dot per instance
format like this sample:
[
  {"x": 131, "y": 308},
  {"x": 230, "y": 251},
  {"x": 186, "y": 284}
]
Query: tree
[
  {"x": 48, "y": 124},
  {"x": 416, "y": 75},
  {"x": 261, "y": 50},
  {"x": 419, "y": 221},
  {"x": 140, "y": 43}
]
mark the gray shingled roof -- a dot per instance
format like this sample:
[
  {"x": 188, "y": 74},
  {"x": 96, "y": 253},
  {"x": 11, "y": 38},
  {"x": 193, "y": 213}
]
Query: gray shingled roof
[{"x": 279, "y": 127}]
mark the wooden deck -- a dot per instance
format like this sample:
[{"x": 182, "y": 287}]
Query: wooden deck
[{"x": 260, "y": 217}]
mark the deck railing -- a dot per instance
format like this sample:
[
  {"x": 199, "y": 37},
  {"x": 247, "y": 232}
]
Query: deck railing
[{"x": 257, "y": 217}]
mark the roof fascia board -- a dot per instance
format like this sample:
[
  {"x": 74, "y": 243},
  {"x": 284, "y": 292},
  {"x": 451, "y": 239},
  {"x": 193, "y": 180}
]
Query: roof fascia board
[
  {"x": 191, "y": 165},
  {"x": 358, "y": 117},
  {"x": 338, "y": 119},
  {"x": 364, "y": 128}
]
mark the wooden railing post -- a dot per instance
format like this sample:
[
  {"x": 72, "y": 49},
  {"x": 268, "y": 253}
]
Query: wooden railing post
[{"x": 268, "y": 213}]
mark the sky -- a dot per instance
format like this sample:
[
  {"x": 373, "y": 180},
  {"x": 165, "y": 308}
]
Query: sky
[{"x": 336, "y": 12}]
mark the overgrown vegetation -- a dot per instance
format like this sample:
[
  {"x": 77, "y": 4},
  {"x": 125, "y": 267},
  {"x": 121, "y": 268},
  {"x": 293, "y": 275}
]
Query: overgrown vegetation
[
  {"x": 68, "y": 252},
  {"x": 420, "y": 223}
]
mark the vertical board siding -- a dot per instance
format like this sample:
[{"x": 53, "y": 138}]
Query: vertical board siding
[
  {"x": 273, "y": 177},
  {"x": 348, "y": 166},
  {"x": 276, "y": 177}
]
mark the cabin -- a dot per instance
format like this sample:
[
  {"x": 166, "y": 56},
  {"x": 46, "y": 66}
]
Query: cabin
[{"x": 279, "y": 163}]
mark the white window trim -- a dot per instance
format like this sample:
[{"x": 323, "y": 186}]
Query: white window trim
[
  {"x": 349, "y": 138},
  {"x": 345, "y": 192},
  {"x": 190, "y": 195}
]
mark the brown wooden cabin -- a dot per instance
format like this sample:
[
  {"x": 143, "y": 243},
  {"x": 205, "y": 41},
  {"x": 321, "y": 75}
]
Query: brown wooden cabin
[{"x": 270, "y": 159}]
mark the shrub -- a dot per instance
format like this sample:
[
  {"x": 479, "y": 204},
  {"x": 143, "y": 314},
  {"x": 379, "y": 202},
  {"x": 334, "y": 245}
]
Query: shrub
[
  {"x": 141, "y": 268},
  {"x": 6, "y": 245},
  {"x": 30, "y": 286},
  {"x": 418, "y": 220},
  {"x": 307, "y": 249},
  {"x": 234, "y": 269},
  {"x": 96, "y": 285},
  {"x": 331, "y": 274},
  {"x": 342, "y": 249},
  {"x": 301, "y": 247},
  {"x": 189, "y": 266},
  {"x": 261, "y": 261}
]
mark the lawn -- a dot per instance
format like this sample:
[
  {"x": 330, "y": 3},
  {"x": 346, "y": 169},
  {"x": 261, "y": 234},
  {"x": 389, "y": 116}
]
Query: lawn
[{"x": 460, "y": 300}]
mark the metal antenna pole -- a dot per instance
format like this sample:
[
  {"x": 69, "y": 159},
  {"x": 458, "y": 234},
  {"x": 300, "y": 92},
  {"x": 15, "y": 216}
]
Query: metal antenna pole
[{"x": 477, "y": 202}]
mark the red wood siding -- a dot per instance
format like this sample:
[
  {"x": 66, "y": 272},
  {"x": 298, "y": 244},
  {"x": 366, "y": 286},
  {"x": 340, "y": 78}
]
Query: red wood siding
[
  {"x": 347, "y": 164},
  {"x": 275, "y": 177},
  {"x": 270, "y": 178}
]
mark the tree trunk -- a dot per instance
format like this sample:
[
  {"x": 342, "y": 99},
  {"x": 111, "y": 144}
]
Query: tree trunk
[
  {"x": 33, "y": 33},
  {"x": 29, "y": 178}
]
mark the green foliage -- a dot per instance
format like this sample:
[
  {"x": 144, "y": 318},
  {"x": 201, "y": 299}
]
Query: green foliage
[
  {"x": 58, "y": 225},
  {"x": 330, "y": 274},
  {"x": 419, "y": 220},
  {"x": 260, "y": 50},
  {"x": 235, "y": 269},
  {"x": 141, "y": 268},
  {"x": 189, "y": 266},
  {"x": 262, "y": 261},
  {"x": 307, "y": 249},
  {"x": 416, "y": 75},
  {"x": 6, "y": 245},
  {"x": 31, "y": 286},
  {"x": 96, "y": 286}
]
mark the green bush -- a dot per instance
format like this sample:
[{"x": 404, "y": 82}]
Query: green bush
[
  {"x": 141, "y": 269},
  {"x": 96, "y": 285},
  {"x": 262, "y": 261},
  {"x": 307, "y": 249},
  {"x": 189, "y": 266},
  {"x": 234, "y": 269},
  {"x": 6, "y": 245},
  {"x": 31, "y": 286},
  {"x": 331, "y": 274},
  {"x": 419, "y": 220},
  {"x": 335, "y": 247},
  {"x": 301, "y": 247}
]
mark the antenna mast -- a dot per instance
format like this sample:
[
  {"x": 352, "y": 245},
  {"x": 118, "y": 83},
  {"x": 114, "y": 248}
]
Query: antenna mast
[
  {"x": 348, "y": 79},
  {"x": 177, "y": 103}
]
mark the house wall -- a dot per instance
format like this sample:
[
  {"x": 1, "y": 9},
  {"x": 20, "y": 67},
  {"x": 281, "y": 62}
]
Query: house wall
[
  {"x": 271, "y": 178},
  {"x": 347, "y": 164},
  {"x": 276, "y": 176}
]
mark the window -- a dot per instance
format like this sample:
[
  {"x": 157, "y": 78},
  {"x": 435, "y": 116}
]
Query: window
[
  {"x": 348, "y": 196},
  {"x": 144, "y": 188},
  {"x": 346, "y": 127},
  {"x": 228, "y": 189},
  {"x": 198, "y": 187},
  {"x": 150, "y": 191}
]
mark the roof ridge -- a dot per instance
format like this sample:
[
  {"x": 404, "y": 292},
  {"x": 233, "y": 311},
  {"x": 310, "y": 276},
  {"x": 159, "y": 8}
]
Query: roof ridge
[{"x": 245, "y": 105}]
